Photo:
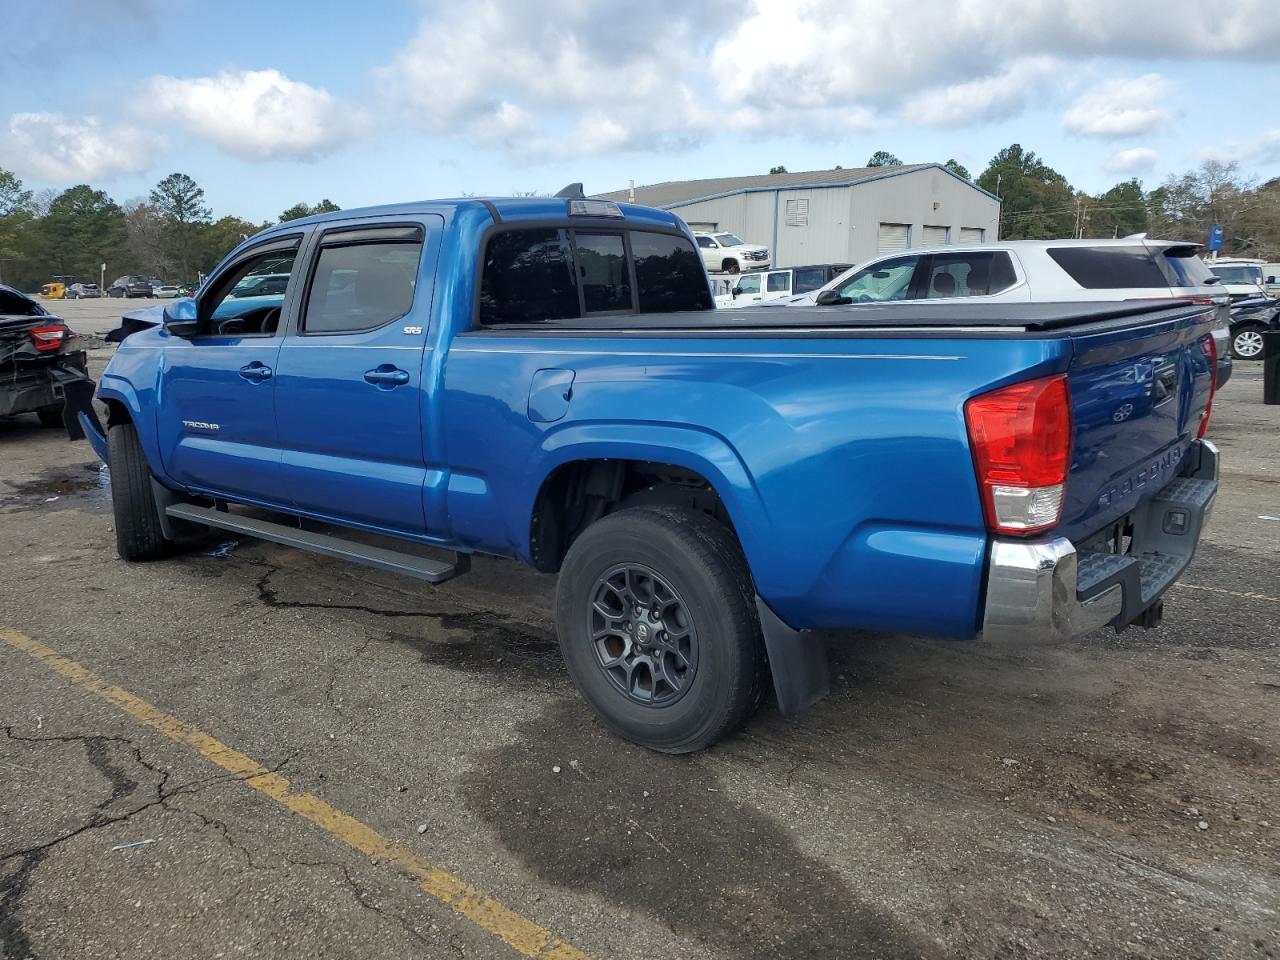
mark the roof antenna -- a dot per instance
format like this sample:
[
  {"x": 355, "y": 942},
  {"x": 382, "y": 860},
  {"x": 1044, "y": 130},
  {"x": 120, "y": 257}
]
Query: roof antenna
[{"x": 572, "y": 192}]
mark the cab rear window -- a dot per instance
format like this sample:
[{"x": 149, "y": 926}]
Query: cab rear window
[
  {"x": 1109, "y": 268},
  {"x": 541, "y": 275}
]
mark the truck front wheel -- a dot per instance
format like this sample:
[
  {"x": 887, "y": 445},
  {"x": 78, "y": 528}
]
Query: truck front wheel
[
  {"x": 138, "y": 533},
  {"x": 658, "y": 628}
]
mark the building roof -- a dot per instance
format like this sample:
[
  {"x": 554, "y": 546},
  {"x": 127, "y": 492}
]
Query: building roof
[{"x": 678, "y": 192}]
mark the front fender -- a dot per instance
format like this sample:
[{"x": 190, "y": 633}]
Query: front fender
[{"x": 118, "y": 389}]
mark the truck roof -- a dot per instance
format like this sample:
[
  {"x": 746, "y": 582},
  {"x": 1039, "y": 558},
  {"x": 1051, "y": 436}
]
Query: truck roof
[{"x": 506, "y": 209}]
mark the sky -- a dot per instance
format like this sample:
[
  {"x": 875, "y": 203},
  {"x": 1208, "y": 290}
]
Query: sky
[{"x": 267, "y": 104}]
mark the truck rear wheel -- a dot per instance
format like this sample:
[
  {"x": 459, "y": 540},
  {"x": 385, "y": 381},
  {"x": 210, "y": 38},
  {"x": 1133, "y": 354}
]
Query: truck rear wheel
[
  {"x": 138, "y": 533},
  {"x": 658, "y": 628}
]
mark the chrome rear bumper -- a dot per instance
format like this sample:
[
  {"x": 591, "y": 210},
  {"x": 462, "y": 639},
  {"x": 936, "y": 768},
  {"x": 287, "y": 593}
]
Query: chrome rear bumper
[{"x": 1044, "y": 590}]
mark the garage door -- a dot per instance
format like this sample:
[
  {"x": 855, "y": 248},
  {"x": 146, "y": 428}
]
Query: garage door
[
  {"x": 894, "y": 237},
  {"x": 972, "y": 235},
  {"x": 936, "y": 236}
]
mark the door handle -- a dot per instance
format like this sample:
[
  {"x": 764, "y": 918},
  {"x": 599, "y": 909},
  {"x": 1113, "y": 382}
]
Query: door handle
[
  {"x": 256, "y": 372},
  {"x": 386, "y": 375}
]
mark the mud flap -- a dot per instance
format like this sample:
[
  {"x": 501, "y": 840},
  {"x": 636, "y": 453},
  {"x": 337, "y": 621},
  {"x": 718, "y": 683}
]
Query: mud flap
[{"x": 798, "y": 662}]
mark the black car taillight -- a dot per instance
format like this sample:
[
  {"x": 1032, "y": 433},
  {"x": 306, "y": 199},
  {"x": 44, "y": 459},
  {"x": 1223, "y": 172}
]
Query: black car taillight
[{"x": 49, "y": 338}]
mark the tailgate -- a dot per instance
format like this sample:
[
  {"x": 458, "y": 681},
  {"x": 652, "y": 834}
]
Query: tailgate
[{"x": 1137, "y": 396}]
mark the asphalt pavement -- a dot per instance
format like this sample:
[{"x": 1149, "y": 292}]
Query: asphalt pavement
[{"x": 250, "y": 751}]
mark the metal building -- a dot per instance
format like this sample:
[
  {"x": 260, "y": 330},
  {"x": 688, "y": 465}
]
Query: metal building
[{"x": 832, "y": 216}]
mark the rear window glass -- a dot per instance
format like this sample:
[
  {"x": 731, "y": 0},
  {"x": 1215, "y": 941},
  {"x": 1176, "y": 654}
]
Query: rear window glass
[
  {"x": 528, "y": 278},
  {"x": 1109, "y": 268},
  {"x": 809, "y": 278},
  {"x": 669, "y": 274},
  {"x": 539, "y": 275},
  {"x": 777, "y": 283},
  {"x": 1186, "y": 270}
]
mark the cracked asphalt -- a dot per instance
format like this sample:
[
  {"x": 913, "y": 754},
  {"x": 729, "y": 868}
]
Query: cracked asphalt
[{"x": 1116, "y": 796}]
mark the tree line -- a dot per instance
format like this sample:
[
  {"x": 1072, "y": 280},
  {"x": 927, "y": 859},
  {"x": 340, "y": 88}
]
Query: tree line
[
  {"x": 169, "y": 234},
  {"x": 1037, "y": 203}
]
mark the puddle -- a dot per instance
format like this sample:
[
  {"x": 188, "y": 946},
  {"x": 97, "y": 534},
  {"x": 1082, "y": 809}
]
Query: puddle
[{"x": 80, "y": 481}]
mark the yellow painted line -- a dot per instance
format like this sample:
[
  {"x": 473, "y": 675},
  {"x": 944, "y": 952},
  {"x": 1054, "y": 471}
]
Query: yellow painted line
[
  {"x": 529, "y": 939},
  {"x": 1230, "y": 593}
]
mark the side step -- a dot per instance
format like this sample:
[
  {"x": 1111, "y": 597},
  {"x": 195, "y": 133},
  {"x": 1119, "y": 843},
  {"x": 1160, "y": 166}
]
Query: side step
[{"x": 420, "y": 568}]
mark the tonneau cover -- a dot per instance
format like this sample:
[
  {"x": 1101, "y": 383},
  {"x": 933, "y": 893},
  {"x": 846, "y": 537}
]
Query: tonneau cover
[{"x": 1021, "y": 316}]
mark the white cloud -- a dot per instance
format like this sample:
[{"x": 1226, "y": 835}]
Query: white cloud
[
  {"x": 1121, "y": 108},
  {"x": 618, "y": 78},
  {"x": 58, "y": 148},
  {"x": 988, "y": 98},
  {"x": 1131, "y": 160},
  {"x": 257, "y": 114},
  {"x": 1262, "y": 149}
]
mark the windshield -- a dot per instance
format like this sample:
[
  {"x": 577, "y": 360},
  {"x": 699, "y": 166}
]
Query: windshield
[
  {"x": 1245, "y": 273},
  {"x": 728, "y": 240}
]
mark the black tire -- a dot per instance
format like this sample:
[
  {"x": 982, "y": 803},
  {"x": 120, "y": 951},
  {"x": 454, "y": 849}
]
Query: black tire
[
  {"x": 1246, "y": 341},
  {"x": 50, "y": 416},
  {"x": 702, "y": 563},
  {"x": 731, "y": 266},
  {"x": 138, "y": 533}
]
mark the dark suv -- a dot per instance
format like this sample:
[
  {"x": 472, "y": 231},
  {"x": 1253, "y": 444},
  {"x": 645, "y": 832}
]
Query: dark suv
[{"x": 132, "y": 285}]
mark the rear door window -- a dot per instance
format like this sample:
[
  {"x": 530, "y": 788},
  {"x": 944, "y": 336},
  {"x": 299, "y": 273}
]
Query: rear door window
[
  {"x": 976, "y": 274},
  {"x": 1109, "y": 268},
  {"x": 362, "y": 280},
  {"x": 777, "y": 282}
]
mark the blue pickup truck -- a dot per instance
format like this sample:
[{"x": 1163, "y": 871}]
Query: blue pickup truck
[{"x": 547, "y": 380}]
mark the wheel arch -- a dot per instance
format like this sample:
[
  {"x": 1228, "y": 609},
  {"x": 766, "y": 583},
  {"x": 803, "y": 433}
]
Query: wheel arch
[{"x": 583, "y": 478}]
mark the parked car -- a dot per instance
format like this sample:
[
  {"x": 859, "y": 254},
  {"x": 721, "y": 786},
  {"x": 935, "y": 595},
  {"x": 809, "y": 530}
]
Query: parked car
[
  {"x": 1250, "y": 319},
  {"x": 83, "y": 291},
  {"x": 777, "y": 284},
  {"x": 546, "y": 379},
  {"x": 38, "y": 374},
  {"x": 166, "y": 291},
  {"x": 53, "y": 291},
  {"x": 1241, "y": 277},
  {"x": 1271, "y": 279},
  {"x": 131, "y": 285},
  {"x": 261, "y": 285},
  {"x": 1035, "y": 271},
  {"x": 726, "y": 253}
]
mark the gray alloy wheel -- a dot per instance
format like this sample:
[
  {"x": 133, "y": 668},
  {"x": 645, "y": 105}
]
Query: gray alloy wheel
[{"x": 1246, "y": 343}]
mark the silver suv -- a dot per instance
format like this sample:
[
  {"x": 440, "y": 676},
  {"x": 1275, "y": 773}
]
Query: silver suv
[{"x": 1040, "y": 271}]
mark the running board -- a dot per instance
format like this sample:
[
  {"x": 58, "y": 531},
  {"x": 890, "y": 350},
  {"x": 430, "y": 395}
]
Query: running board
[{"x": 420, "y": 568}]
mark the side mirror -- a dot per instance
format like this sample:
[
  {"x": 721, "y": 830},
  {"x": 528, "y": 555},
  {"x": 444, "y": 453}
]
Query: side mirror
[
  {"x": 832, "y": 298},
  {"x": 180, "y": 318},
  {"x": 737, "y": 292}
]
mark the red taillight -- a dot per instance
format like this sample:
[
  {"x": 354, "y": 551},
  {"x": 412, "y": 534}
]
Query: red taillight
[
  {"x": 48, "y": 338},
  {"x": 1211, "y": 354},
  {"x": 1021, "y": 439}
]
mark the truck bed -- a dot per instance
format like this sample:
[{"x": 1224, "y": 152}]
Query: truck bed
[{"x": 1010, "y": 318}]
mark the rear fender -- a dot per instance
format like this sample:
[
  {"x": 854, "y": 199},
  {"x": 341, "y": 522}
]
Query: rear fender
[{"x": 701, "y": 451}]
